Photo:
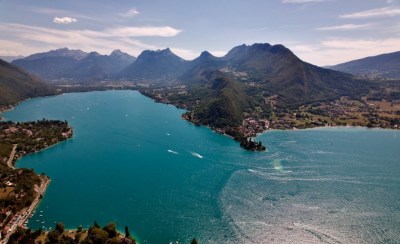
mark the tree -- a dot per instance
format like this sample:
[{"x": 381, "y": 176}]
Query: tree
[
  {"x": 110, "y": 229},
  {"x": 53, "y": 236},
  {"x": 97, "y": 235},
  {"x": 127, "y": 234},
  {"x": 194, "y": 241},
  {"x": 60, "y": 227},
  {"x": 96, "y": 224}
]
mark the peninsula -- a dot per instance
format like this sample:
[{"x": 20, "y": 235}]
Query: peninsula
[{"x": 21, "y": 189}]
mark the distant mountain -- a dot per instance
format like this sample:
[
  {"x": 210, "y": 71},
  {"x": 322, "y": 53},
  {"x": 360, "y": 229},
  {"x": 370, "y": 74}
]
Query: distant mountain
[
  {"x": 262, "y": 68},
  {"x": 62, "y": 52},
  {"x": 17, "y": 85},
  {"x": 197, "y": 68},
  {"x": 55, "y": 64},
  {"x": 95, "y": 67},
  {"x": 221, "y": 90},
  {"x": 381, "y": 66},
  {"x": 155, "y": 65},
  {"x": 123, "y": 59},
  {"x": 275, "y": 70},
  {"x": 10, "y": 58},
  {"x": 75, "y": 65}
]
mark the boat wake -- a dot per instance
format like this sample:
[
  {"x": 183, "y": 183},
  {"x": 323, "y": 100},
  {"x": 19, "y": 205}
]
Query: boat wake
[
  {"x": 196, "y": 155},
  {"x": 173, "y": 152}
]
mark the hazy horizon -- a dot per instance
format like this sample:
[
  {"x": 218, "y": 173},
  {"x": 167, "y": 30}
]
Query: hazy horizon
[{"x": 321, "y": 32}]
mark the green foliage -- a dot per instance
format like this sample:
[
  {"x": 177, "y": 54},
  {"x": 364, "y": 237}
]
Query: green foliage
[
  {"x": 110, "y": 229},
  {"x": 96, "y": 224},
  {"x": 53, "y": 236},
  {"x": 224, "y": 104},
  {"x": 17, "y": 85},
  {"x": 30, "y": 137},
  {"x": 97, "y": 235},
  {"x": 60, "y": 227}
]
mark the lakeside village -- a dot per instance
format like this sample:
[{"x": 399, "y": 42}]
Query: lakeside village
[
  {"x": 366, "y": 112},
  {"x": 344, "y": 111},
  {"x": 21, "y": 189}
]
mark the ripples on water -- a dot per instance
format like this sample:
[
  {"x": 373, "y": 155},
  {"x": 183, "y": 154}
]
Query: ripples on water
[
  {"x": 311, "y": 194},
  {"x": 140, "y": 165}
]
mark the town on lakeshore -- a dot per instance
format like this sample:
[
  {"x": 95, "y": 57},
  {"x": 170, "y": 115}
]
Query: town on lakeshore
[{"x": 22, "y": 189}]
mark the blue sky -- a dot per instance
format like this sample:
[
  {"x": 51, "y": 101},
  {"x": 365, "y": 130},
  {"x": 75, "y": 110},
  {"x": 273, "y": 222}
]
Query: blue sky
[{"x": 322, "y": 32}]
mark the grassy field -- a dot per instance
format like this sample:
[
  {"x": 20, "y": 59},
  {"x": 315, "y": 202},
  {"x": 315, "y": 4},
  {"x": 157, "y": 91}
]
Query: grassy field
[{"x": 5, "y": 191}]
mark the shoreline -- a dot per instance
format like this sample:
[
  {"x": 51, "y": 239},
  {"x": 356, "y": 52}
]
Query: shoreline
[
  {"x": 257, "y": 135},
  {"x": 23, "y": 215},
  {"x": 19, "y": 218}
]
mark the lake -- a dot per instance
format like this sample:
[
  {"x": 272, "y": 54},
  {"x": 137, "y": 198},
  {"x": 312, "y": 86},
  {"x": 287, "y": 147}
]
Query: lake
[{"x": 137, "y": 163}]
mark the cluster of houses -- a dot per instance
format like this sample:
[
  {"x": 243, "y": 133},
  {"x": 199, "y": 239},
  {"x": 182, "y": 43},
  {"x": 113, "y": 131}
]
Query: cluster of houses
[{"x": 251, "y": 126}]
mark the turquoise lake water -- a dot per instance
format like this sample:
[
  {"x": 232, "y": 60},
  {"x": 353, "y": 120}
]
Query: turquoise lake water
[{"x": 137, "y": 163}]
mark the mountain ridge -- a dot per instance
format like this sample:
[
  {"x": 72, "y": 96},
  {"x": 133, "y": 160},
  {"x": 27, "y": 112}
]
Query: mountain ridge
[
  {"x": 17, "y": 85},
  {"x": 75, "y": 65},
  {"x": 380, "y": 66},
  {"x": 159, "y": 64}
]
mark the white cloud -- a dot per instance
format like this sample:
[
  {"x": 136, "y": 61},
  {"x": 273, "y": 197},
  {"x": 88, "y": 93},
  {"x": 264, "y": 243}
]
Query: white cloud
[
  {"x": 32, "y": 38},
  {"x": 15, "y": 48},
  {"x": 345, "y": 27},
  {"x": 190, "y": 54},
  {"x": 64, "y": 20},
  {"x": 164, "y": 31},
  {"x": 303, "y": 49},
  {"x": 339, "y": 50},
  {"x": 218, "y": 53},
  {"x": 49, "y": 11},
  {"x": 185, "y": 53},
  {"x": 303, "y": 1},
  {"x": 373, "y": 13},
  {"x": 131, "y": 13},
  {"x": 374, "y": 45}
]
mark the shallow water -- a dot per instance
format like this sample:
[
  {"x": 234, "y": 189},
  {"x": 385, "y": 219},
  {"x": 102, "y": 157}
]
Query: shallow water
[{"x": 139, "y": 164}]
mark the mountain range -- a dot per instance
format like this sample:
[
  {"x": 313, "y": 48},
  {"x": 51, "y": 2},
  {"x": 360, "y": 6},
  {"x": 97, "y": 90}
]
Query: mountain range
[
  {"x": 263, "y": 69},
  {"x": 75, "y": 65},
  {"x": 154, "y": 65},
  {"x": 273, "y": 69},
  {"x": 250, "y": 80},
  {"x": 381, "y": 66}
]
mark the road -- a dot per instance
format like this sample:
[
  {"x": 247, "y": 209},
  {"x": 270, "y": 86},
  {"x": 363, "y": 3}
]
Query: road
[
  {"x": 21, "y": 217},
  {"x": 11, "y": 158}
]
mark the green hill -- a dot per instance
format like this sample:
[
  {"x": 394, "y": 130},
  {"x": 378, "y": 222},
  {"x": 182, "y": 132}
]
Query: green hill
[
  {"x": 225, "y": 103},
  {"x": 17, "y": 85},
  {"x": 277, "y": 71}
]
